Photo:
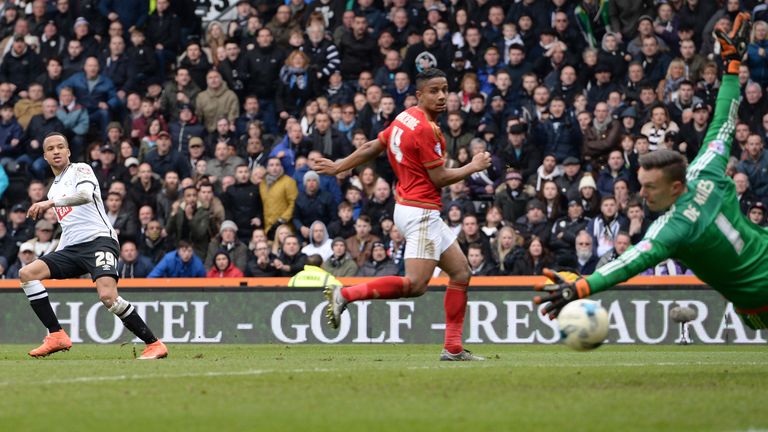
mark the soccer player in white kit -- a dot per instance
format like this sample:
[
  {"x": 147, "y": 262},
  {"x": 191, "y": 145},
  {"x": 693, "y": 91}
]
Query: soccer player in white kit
[{"x": 88, "y": 245}]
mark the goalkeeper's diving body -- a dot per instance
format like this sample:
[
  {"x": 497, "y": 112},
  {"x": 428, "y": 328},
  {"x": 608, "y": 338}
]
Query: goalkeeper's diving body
[{"x": 703, "y": 226}]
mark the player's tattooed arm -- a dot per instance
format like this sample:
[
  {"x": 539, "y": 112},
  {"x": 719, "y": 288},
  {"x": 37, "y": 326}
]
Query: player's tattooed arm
[{"x": 365, "y": 153}]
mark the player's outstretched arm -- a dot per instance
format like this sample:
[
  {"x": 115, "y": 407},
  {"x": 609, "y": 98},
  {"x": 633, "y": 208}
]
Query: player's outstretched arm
[
  {"x": 365, "y": 153},
  {"x": 84, "y": 195},
  {"x": 442, "y": 176},
  {"x": 713, "y": 155}
]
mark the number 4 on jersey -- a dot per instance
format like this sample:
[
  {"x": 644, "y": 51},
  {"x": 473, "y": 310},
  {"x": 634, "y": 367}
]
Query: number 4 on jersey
[{"x": 394, "y": 143}]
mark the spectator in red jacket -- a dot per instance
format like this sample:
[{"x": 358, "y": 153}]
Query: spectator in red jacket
[{"x": 223, "y": 267}]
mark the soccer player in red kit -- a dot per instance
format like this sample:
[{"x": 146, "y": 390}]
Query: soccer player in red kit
[{"x": 416, "y": 150}]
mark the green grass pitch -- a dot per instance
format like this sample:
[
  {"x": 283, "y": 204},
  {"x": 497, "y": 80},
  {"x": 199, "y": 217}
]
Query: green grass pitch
[{"x": 385, "y": 388}]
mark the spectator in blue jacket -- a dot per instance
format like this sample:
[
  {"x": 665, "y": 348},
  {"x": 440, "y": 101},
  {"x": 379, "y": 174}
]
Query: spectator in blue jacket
[
  {"x": 131, "y": 264},
  {"x": 179, "y": 263},
  {"x": 94, "y": 91},
  {"x": 312, "y": 204}
]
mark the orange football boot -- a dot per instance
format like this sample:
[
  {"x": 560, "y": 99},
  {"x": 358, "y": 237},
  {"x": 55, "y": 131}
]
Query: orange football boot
[
  {"x": 57, "y": 341},
  {"x": 155, "y": 350}
]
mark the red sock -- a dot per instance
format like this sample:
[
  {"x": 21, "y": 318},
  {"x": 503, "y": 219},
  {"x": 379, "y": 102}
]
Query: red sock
[
  {"x": 455, "y": 304},
  {"x": 389, "y": 287}
]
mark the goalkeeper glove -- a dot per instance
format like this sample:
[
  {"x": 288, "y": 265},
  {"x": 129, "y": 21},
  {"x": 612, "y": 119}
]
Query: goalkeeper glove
[
  {"x": 733, "y": 45},
  {"x": 560, "y": 293}
]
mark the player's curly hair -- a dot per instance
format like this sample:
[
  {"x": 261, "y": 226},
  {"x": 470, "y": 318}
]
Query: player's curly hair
[
  {"x": 426, "y": 75},
  {"x": 670, "y": 162}
]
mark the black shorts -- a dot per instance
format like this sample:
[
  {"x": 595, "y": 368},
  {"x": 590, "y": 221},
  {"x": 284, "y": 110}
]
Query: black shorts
[{"x": 97, "y": 257}]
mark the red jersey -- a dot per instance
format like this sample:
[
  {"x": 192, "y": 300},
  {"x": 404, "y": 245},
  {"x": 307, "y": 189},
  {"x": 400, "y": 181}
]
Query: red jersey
[{"x": 414, "y": 145}]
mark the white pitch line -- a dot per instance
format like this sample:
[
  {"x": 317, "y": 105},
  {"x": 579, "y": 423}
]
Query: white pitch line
[
  {"x": 446, "y": 366},
  {"x": 88, "y": 379}
]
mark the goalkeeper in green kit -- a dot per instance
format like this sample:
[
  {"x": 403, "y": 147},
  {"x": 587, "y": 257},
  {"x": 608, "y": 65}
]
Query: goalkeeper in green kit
[{"x": 703, "y": 226}]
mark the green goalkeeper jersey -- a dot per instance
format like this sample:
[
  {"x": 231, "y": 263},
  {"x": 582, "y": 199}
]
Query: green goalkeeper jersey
[{"x": 705, "y": 229}]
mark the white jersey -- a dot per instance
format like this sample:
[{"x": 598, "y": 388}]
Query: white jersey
[{"x": 83, "y": 223}]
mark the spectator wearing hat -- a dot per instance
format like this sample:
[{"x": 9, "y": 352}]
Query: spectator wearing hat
[
  {"x": 131, "y": 264},
  {"x": 131, "y": 165},
  {"x": 312, "y": 204},
  {"x": 568, "y": 183},
  {"x": 82, "y": 32},
  {"x": 340, "y": 263},
  {"x": 162, "y": 159},
  {"x": 20, "y": 65},
  {"x": 380, "y": 264},
  {"x": 95, "y": 92},
  {"x": 25, "y": 256},
  {"x": 691, "y": 136},
  {"x": 588, "y": 195},
  {"x": 74, "y": 118},
  {"x": 107, "y": 169},
  {"x": 39, "y": 127},
  {"x": 756, "y": 213},
  {"x": 185, "y": 129},
  {"x": 518, "y": 153},
  {"x": 534, "y": 222},
  {"x": 19, "y": 228},
  {"x": 643, "y": 27},
  {"x": 603, "y": 85},
  {"x": 511, "y": 197},
  {"x": 228, "y": 242}
]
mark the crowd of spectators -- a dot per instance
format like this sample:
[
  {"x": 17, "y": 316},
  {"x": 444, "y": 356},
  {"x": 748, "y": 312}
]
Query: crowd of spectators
[{"x": 204, "y": 136}]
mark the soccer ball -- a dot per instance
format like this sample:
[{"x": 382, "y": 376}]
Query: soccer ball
[{"x": 583, "y": 324}]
